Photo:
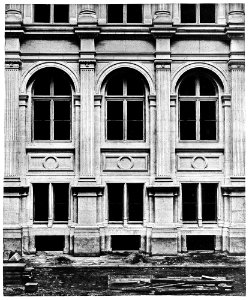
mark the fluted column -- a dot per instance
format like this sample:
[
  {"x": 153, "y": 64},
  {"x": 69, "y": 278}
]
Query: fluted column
[
  {"x": 173, "y": 133},
  {"x": 77, "y": 133},
  {"x": 12, "y": 70},
  {"x": 238, "y": 118},
  {"x": 97, "y": 134},
  {"x": 152, "y": 107},
  {"x": 163, "y": 120},
  {"x": 87, "y": 120}
]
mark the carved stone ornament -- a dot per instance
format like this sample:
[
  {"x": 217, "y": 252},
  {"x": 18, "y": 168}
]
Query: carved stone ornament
[
  {"x": 125, "y": 162},
  {"x": 199, "y": 163},
  {"x": 50, "y": 163}
]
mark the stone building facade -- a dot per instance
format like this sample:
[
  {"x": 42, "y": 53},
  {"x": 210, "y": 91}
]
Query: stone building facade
[{"x": 124, "y": 128}]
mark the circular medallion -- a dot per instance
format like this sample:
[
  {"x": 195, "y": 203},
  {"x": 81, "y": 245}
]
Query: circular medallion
[
  {"x": 125, "y": 162},
  {"x": 199, "y": 163},
  {"x": 50, "y": 163}
]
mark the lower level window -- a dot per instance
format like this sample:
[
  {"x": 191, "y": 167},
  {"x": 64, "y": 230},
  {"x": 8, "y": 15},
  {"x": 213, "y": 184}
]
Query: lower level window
[
  {"x": 199, "y": 202},
  {"x": 50, "y": 202},
  {"x": 125, "y": 202}
]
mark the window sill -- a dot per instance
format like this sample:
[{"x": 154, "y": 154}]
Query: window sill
[
  {"x": 50, "y": 145},
  {"x": 199, "y": 145}
]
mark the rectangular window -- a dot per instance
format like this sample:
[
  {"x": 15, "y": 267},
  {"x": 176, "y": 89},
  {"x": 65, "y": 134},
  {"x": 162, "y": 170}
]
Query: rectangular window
[
  {"x": 125, "y": 242},
  {"x": 49, "y": 243},
  {"x": 42, "y": 13},
  {"x": 200, "y": 242},
  {"x": 187, "y": 120},
  {"x": 207, "y": 13},
  {"x": 207, "y": 120},
  {"x": 125, "y": 202},
  {"x": 199, "y": 202},
  {"x": 198, "y": 13},
  {"x": 51, "y": 13},
  {"x": 188, "y": 13},
  {"x": 124, "y": 13},
  {"x": 51, "y": 202},
  {"x": 115, "y": 122}
]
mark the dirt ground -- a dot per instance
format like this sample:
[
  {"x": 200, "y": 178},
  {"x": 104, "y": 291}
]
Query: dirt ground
[{"x": 63, "y": 275}]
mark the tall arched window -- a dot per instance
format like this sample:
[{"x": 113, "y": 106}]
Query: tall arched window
[
  {"x": 125, "y": 94},
  {"x": 51, "y": 95},
  {"x": 198, "y": 108}
]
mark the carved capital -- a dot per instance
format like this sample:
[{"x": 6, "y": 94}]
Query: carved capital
[
  {"x": 23, "y": 100},
  {"x": 163, "y": 65},
  {"x": 87, "y": 64},
  {"x": 12, "y": 64},
  {"x": 226, "y": 100},
  {"x": 97, "y": 100},
  {"x": 173, "y": 99},
  {"x": 152, "y": 100},
  {"x": 76, "y": 99}
]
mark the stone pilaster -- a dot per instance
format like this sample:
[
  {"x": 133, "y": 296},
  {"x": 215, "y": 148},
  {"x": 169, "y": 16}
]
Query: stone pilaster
[
  {"x": 97, "y": 132},
  {"x": 173, "y": 133},
  {"x": 221, "y": 12},
  {"x": 77, "y": 133},
  {"x": 12, "y": 69},
  {"x": 152, "y": 108}
]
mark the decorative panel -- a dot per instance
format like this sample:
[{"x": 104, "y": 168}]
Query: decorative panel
[
  {"x": 50, "y": 162},
  {"x": 199, "y": 162}
]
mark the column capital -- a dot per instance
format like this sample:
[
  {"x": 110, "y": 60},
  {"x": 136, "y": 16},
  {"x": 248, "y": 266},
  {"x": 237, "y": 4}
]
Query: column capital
[
  {"x": 173, "y": 99},
  {"x": 235, "y": 64},
  {"x": 87, "y": 64},
  {"x": 12, "y": 64},
  {"x": 86, "y": 31},
  {"x": 152, "y": 100},
  {"x": 76, "y": 98},
  {"x": 97, "y": 100},
  {"x": 23, "y": 99},
  {"x": 162, "y": 64}
]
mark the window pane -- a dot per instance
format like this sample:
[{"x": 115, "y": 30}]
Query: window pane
[
  {"x": 115, "y": 13},
  {"x": 207, "y": 13},
  {"x": 134, "y": 13},
  {"x": 41, "y": 130},
  {"x": 187, "y": 130},
  {"x": 61, "y": 84},
  {"x": 40, "y": 196},
  {"x": 135, "y": 110},
  {"x": 134, "y": 130},
  {"x": 115, "y": 130},
  {"x": 188, "y": 13},
  {"x": 209, "y": 200},
  {"x": 61, "y": 13},
  {"x": 189, "y": 201},
  {"x": 114, "y": 110},
  {"x": 135, "y": 85},
  {"x": 42, "y": 13},
  {"x": 207, "y": 88},
  {"x": 115, "y": 120},
  {"x": 135, "y": 202},
  {"x": 42, "y": 83},
  {"x": 62, "y": 130},
  {"x": 60, "y": 201},
  {"x": 42, "y": 110},
  {"x": 187, "y": 110},
  {"x": 115, "y": 85},
  {"x": 187, "y": 87},
  {"x": 208, "y": 130},
  {"x": 62, "y": 110},
  {"x": 207, "y": 110},
  {"x": 187, "y": 120},
  {"x": 115, "y": 201}
]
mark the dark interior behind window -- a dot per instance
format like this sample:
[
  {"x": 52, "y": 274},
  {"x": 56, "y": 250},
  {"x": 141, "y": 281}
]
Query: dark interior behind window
[
  {"x": 42, "y": 13},
  {"x": 188, "y": 13},
  {"x": 134, "y": 13},
  {"x": 135, "y": 201},
  {"x": 40, "y": 195},
  {"x": 61, "y": 13},
  {"x": 207, "y": 120},
  {"x": 60, "y": 201},
  {"x": 189, "y": 201},
  {"x": 207, "y": 13},
  {"x": 187, "y": 120},
  {"x": 115, "y": 13},
  {"x": 209, "y": 200},
  {"x": 115, "y": 201}
]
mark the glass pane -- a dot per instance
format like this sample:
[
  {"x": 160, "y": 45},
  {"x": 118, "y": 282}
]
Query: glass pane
[
  {"x": 189, "y": 201},
  {"x": 61, "y": 84},
  {"x": 207, "y": 88},
  {"x": 60, "y": 201},
  {"x": 208, "y": 130},
  {"x": 114, "y": 110},
  {"x": 115, "y": 13},
  {"x": 134, "y": 130},
  {"x": 187, "y": 130},
  {"x": 42, "y": 83},
  {"x": 40, "y": 194},
  {"x": 135, "y": 85},
  {"x": 115, "y": 130},
  {"x": 188, "y": 13},
  {"x": 135, "y": 110},
  {"x": 62, "y": 110},
  {"x": 135, "y": 202},
  {"x": 61, "y": 13},
  {"x": 209, "y": 200},
  {"x": 42, "y": 13},
  {"x": 187, "y": 87},
  {"x": 134, "y": 13},
  {"x": 41, "y": 110},
  {"x": 115, "y": 86},
  {"x": 62, "y": 130},
  {"x": 115, "y": 201},
  {"x": 207, "y": 13},
  {"x": 41, "y": 130},
  {"x": 207, "y": 110},
  {"x": 187, "y": 110}
]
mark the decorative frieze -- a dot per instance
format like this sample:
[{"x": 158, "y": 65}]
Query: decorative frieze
[
  {"x": 199, "y": 162},
  {"x": 52, "y": 162}
]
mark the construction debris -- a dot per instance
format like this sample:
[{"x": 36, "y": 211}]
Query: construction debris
[
  {"x": 170, "y": 285},
  {"x": 135, "y": 258}
]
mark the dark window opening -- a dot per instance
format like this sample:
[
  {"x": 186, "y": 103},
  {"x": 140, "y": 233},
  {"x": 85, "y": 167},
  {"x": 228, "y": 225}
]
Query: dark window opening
[
  {"x": 207, "y": 120},
  {"x": 200, "y": 242},
  {"x": 135, "y": 85},
  {"x": 60, "y": 201},
  {"x": 61, "y": 13},
  {"x": 115, "y": 120},
  {"x": 187, "y": 87},
  {"x": 125, "y": 242},
  {"x": 62, "y": 120},
  {"x": 40, "y": 195},
  {"x": 207, "y": 13},
  {"x": 42, "y": 13},
  {"x": 188, "y": 13},
  {"x": 207, "y": 87},
  {"x": 115, "y": 13},
  {"x": 49, "y": 243},
  {"x": 209, "y": 201},
  {"x": 115, "y": 85},
  {"x": 42, "y": 120},
  {"x": 134, "y": 13},
  {"x": 189, "y": 201},
  {"x": 135, "y": 120},
  {"x": 187, "y": 120},
  {"x": 115, "y": 201},
  {"x": 135, "y": 202}
]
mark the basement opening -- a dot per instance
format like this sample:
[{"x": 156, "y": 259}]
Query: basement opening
[
  {"x": 125, "y": 242},
  {"x": 201, "y": 242},
  {"x": 49, "y": 243}
]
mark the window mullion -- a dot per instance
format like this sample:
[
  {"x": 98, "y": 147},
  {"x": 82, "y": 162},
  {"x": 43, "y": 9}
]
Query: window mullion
[
  {"x": 198, "y": 126},
  {"x": 52, "y": 13},
  {"x": 198, "y": 13},
  {"x": 125, "y": 119},
  {"x": 125, "y": 204},
  {"x": 50, "y": 205},
  {"x": 199, "y": 205},
  {"x": 52, "y": 119},
  {"x": 125, "y": 13}
]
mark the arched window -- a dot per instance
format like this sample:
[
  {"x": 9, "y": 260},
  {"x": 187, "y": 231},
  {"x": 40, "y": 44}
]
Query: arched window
[
  {"x": 125, "y": 94},
  {"x": 198, "y": 107},
  {"x": 51, "y": 95}
]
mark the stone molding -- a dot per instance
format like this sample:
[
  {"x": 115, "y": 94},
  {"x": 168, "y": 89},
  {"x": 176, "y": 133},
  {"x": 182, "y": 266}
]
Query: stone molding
[
  {"x": 23, "y": 100},
  {"x": 13, "y": 64}
]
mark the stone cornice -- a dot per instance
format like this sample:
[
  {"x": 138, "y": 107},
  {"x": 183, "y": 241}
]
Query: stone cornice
[
  {"x": 163, "y": 190},
  {"x": 236, "y": 64},
  {"x": 162, "y": 31},
  {"x": 87, "y": 31}
]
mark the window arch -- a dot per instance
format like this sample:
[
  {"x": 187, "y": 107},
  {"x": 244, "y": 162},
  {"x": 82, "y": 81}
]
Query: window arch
[
  {"x": 198, "y": 107},
  {"x": 51, "y": 106},
  {"x": 125, "y": 106}
]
